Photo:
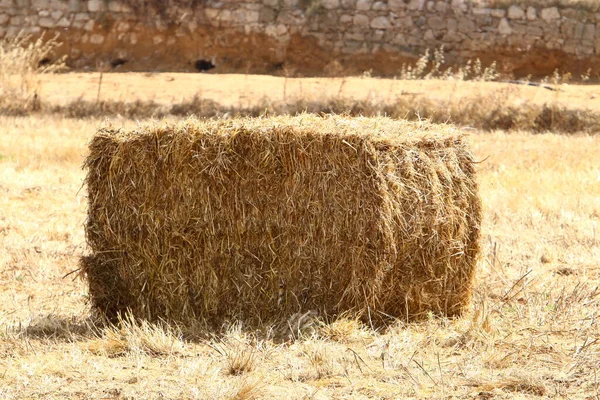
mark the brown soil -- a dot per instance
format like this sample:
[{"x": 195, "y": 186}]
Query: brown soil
[{"x": 301, "y": 56}]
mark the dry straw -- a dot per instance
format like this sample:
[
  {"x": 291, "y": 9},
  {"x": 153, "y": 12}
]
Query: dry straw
[{"x": 257, "y": 219}]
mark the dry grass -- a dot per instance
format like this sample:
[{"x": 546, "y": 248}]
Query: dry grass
[
  {"x": 22, "y": 61},
  {"x": 492, "y": 111},
  {"x": 483, "y": 105},
  {"x": 531, "y": 331},
  {"x": 432, "y": 65},
  {"x": 129, "y": 336}
]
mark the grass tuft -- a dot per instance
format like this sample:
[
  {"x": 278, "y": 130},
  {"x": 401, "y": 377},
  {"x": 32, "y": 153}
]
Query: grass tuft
[
  {"x": 20, "y": 69},
  {"x": 240, "y": 359},
  {"x": 433, "y": 66},
  {"x": 131, "y": 336}
]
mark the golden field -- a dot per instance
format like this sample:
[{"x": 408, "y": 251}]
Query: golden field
[
  {"x": 532, "y": 330},
  {"x": 240, "y": 90}
]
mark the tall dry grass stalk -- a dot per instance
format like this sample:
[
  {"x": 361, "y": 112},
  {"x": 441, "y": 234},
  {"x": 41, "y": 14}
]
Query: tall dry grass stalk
[
  {"x": 22, "y": 60},
  {"x": 433, "y": 66}
]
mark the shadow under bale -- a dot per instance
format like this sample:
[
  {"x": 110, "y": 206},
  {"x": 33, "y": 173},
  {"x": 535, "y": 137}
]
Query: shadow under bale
[{"x": 257, "y": 219}]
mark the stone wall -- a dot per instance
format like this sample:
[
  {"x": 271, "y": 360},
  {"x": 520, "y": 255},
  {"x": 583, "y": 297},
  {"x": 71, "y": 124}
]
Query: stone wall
[{"x": 309, "y": 36}]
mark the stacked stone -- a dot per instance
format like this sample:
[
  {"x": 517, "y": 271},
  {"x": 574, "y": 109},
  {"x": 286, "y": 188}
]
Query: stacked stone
[{"x": 340, "y": 27}]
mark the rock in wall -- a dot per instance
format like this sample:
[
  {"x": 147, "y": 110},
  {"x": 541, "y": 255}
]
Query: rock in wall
[{"x": 311, "y": 37}]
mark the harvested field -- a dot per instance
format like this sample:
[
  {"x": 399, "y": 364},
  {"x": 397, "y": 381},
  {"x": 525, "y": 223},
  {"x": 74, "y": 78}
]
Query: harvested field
[
  {"x": 257, "y": 219},
  {"x": 554, "y": 107},
  {"x": 530, "y": 331},
  {"x": 235, "y": 90}
]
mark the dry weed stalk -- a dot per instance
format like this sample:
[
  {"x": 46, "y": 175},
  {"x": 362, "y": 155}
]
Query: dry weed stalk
[
  {"x": 249, "y": 389},
  {"x": 324, "y": 364},
  {"x": 432, "y": 67},
  {"x": 240, "y": 359}
]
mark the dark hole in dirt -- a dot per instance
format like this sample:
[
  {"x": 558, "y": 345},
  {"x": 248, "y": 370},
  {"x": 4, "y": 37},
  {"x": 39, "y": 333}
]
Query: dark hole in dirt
[
  {"x": 117, "y": 62},
  {"x": 204, "y": 65},
  {"x": 44, "y": 62},
  {"x": 279, "y": 66}
]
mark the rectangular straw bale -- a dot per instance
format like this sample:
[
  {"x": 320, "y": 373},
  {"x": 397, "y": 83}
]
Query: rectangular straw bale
[{"x": 256, "y": 219}]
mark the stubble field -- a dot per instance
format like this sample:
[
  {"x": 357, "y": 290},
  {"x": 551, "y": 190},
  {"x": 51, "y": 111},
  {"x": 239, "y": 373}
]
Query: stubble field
[{"x": 532, "y": 330}]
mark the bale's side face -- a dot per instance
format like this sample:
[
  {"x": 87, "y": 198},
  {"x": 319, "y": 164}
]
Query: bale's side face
[
  {"x": 258, "y": 219},
  {"x": 434, "y": 215}
]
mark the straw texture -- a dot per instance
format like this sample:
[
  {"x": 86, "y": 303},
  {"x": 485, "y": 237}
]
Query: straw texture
[{"x": 257, "y": 219}]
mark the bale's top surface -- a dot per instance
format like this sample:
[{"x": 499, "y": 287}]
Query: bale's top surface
[{"x": 381, "y": 129}]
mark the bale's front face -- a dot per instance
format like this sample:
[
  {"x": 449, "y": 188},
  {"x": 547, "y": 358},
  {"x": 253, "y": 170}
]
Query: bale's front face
[{"x": 259, "y": 219}]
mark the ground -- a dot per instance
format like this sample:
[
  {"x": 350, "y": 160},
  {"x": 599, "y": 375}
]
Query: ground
[
  {"x": 242, "y": 90},
  {"x": 531, "y": 332}
]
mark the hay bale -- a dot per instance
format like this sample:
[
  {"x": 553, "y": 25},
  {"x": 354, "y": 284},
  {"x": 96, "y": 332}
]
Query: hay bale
[{"x": 256, "y": 219}]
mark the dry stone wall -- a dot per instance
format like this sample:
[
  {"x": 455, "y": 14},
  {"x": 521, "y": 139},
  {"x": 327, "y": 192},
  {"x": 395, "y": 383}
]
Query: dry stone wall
[{"x": 309, "y": 36}]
